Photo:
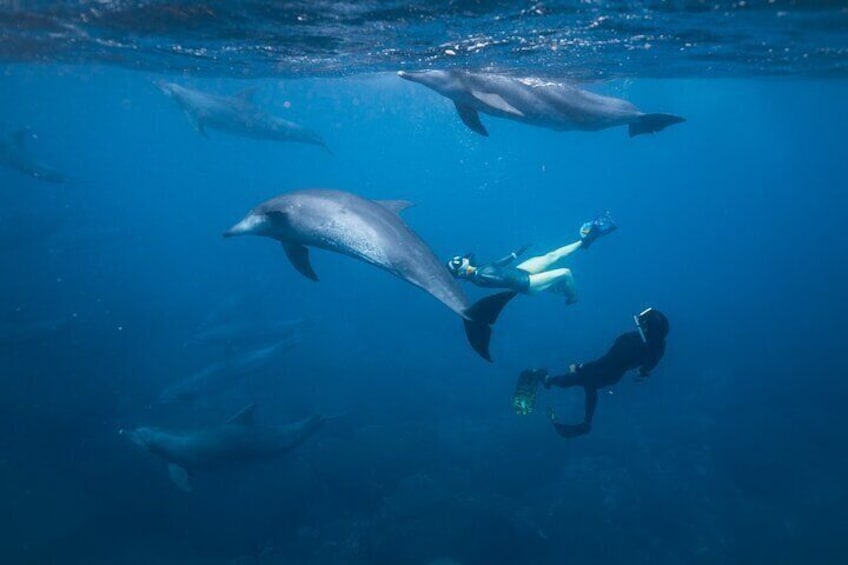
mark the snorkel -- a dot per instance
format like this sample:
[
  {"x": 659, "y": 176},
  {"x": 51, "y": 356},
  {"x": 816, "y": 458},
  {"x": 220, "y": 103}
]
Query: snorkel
[{"x": 638, "y": 320}]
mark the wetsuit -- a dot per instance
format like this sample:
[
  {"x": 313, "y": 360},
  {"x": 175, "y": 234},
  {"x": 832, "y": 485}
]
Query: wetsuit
[
  {"x": 627, "y": 353},
  {"x": 500, "y": 275}
]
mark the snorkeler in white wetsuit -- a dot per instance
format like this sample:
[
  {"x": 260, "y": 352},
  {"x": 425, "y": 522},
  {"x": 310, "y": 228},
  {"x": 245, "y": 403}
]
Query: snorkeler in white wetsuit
[{"x": 536, "y": 274}]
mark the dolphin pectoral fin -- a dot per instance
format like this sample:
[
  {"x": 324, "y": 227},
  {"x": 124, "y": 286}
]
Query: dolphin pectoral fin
[
  {"x": 471, "y": 118},
  {"x": 479, "y": 320},
  {"x": 299, "y": 257},
  {"x": 196, "y": 124},
  {"x": 652, "y": 123},
  {"x": 243, "y": 417},
  {"x": 396, "y": 206},
  {"x": 180, "y": 477},
  {"x": 495, "y": 101}
]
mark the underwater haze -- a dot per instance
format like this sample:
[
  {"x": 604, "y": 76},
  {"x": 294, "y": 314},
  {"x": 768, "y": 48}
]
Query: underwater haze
[{"x": 117, "y": 288}]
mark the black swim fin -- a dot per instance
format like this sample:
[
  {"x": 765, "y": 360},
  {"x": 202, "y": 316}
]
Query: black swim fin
[
  {"x": 480, "y": 317},
  {"x": 652, "y": 123}
]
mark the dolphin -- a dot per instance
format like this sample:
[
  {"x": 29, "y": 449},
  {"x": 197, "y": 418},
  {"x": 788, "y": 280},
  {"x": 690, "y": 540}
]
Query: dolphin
[
  {"x": 241, "y": 332},
  {"x": 535, "y": 102},
  {"x": 371, "y": 231},
  {"x": 236, "y": 115},
  {"x": 219, "y": 376},
  {"x": 14, "y": 155},
  {"x": 236, "y": 441}
]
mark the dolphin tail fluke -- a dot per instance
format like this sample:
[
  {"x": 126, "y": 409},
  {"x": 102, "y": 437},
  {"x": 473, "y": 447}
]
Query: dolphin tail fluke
[
  {"x": 652, "y": 123},
  {"x": 481, "y": 316}
]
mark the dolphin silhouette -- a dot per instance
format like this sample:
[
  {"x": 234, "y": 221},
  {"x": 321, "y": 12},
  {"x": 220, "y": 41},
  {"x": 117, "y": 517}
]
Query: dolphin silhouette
[
  {"x": 371, "y": 231},
  {"x": 534, "y": 102},
  {"x": 14, "y": 155},
  {"x": 224, "y": 374},
  {"x": 236, "y": 441},
  {"x": 236, "y": 115}
]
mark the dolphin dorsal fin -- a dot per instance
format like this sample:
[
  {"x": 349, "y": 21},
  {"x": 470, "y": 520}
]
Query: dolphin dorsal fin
[
  {"x": 495, "y": 101},
  {"x": 243, "y": 417},
  {"x": 396, "y": 206},
  {"x": 247, "y": 94}
]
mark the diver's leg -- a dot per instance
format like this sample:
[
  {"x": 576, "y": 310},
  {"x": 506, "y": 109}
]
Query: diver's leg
[
  {"x": 591, "y": 404},
  {"x": 544, "y": 262},
  {"x": 574, "y": 430},
  {"x": 566, "y": 380},
  {"x": 560, "y": 281}
]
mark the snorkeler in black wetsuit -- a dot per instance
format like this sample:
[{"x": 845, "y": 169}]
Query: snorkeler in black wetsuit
[
  {"x": 535, "y": 274},
  {"x": 640, "y": 350}
]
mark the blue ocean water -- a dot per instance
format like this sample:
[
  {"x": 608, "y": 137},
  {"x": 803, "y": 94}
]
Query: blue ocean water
[{"x": 732, "y": 223}]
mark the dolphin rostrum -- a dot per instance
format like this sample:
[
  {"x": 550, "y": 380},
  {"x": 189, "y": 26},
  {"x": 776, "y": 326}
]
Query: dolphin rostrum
[
  {"x": 236, "y": 115},
  {"x": 535, "y": 102},
  {"x": 14, "y": 155},
  {"x": 371, "y": 231},
  {"x": 236, "y": 441}
]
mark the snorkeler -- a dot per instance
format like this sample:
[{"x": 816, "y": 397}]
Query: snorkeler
[
  {"x": 641, "y": 349},
  {"x": 535, "y": 274}
]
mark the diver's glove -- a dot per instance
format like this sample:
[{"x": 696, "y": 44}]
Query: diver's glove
[{"x": 602, "y": 224}]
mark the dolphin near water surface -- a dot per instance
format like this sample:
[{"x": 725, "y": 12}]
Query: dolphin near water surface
[
  {"x": 535, "y": 102},
  {"x": 236, "y": 115}
]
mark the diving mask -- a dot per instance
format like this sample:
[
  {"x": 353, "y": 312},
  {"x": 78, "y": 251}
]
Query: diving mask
[{"x": 460, "y": 267}]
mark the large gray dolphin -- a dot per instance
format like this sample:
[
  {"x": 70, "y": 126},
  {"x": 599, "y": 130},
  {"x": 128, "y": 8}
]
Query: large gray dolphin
[
  {"x": 371, "y": 231},
  {"x": 236, "y": 441},
  {"x": 14, "y": 155},
  {"x": 535, "y": 102},
  {"x": 236, "y": 115}
]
